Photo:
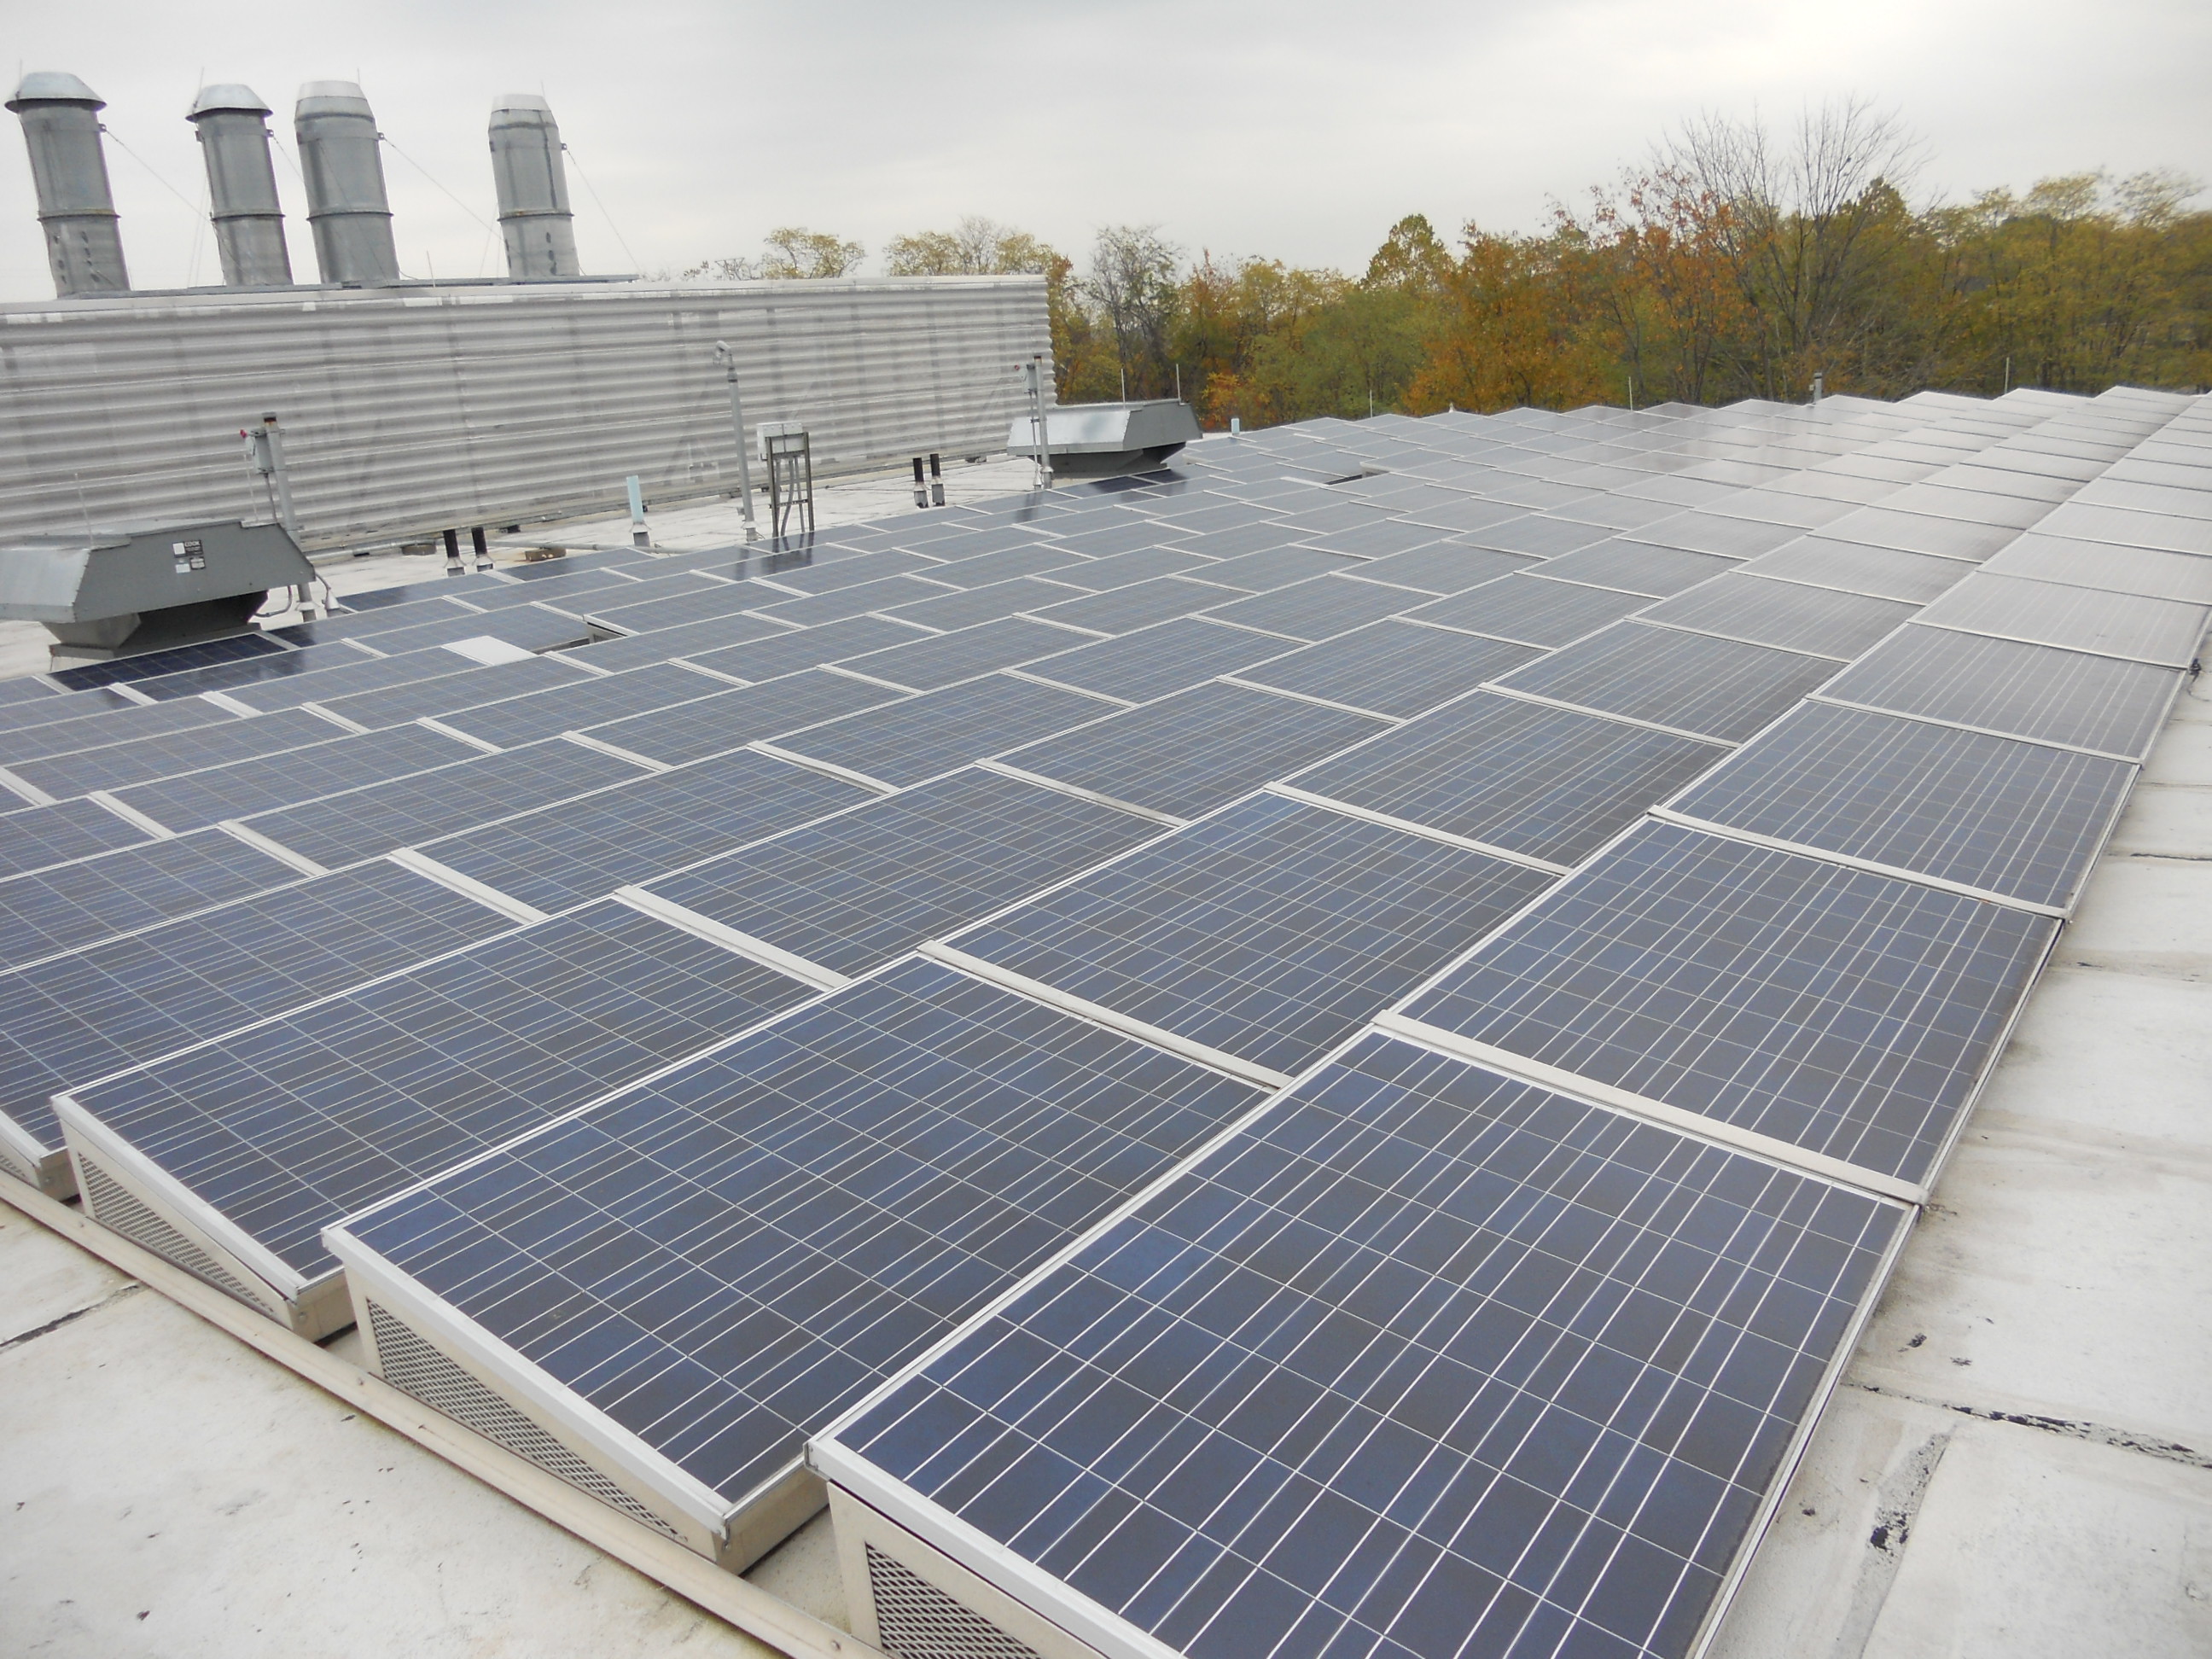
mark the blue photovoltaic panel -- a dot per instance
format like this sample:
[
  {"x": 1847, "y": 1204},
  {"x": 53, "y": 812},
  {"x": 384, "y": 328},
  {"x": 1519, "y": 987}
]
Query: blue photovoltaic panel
[
  {"x": 1817, "y": 620},
  {"x": 1189, "y": 753},
  {"x": 285, "y": 1126},
  {"x": 1318, "y": 609},
  {"x": 919, "y": 736},
  {"x": 854, "y": 890},
  {"x": 588, "y": 703},
  {"x": 791, "y": 649},
  {"x": 722, "y": 1259},
  {"x": 34, "y": 837},
  {"x": 74, "y": 905},
  {"x": 1270, "y": 931},
  {"x": 575, "y": 850},
  {"x": 2021, "y": 690},
  {"x": 1171, "y": 656},
  {"x": 361, "y": 823},
  {"x": 198, "y": 799},
  {"x": 1394, "y": 668},
  {"x": 725, "y": 720},
  {"x": 926, "y": 663},
  {"x": 1424, "y": 1363},
  {"x": 2017, "y": 819},
  {"x": 1551, "y": 783},
  {"x": 170, "y": 753},
  {"x": 395, "y": 705},
  {"x": 77, "y": 1017},
  {"x": 1848, "y": 1013},
  {"x": 1532, "y": 610},
  {"x": 1714, "y": 687}
]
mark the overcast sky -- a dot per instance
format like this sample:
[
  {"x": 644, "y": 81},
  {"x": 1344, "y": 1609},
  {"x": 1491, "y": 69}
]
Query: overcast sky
[{"x": 1299, "y": 130}]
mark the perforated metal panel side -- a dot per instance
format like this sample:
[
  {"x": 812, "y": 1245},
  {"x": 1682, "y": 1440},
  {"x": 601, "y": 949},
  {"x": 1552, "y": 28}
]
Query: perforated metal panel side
[
  {"x": 410, "y": 1363},
  {"x": 119, "y": 1210},
  {"x": 914, "y": 1619}
]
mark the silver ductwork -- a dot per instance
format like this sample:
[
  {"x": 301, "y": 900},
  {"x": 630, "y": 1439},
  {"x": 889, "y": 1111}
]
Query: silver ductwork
[
  {"x": 61, "y": 123},
  {"x": 533, "y": 188},
  {"x": 249, "y": 221},
  {"x": 345, "y": 170}
]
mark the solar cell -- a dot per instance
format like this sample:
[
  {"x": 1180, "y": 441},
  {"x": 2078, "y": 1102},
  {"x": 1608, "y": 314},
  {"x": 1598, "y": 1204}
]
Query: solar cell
[
  {"x": 1847, "y": 1014},
  {"x": 197, "y": 799},
  {"x": 1124, "y": 610},
  {"x": 1881, "y": 572},
  {"x": 940, "y": 731},
  {"x": 1691, "y": 682},
  {"x": 80, "y": 1016},
  {"x": 1997, "y": 814},
  {"x": 1169, "y": 656},
  {"x": 361, "y": 823},
  {"x": 36, "y": 837},
  {"x": 925, "y": 665},
  {"x": 1270, "y": 932},
  {"x": 853, "y": 891},
  {"x": 282, "y": 1127},
  {"x": 1547, "y": 783},
  {"x": 74, "y": 905},
  {"x": 1189, "y": 753},
  {"x": 1530, "y": 609},
  {"x": 1394, "y": 668},
  {"x": 1817, "y": 620},
  {"x": 721, "y": 1259},
  {"x": 2018, "y": 690},
  {"x": 730, "y": 719},
  {"x": 168, "y": 754},
  {"x": 2074, "y": 618},
  {"x": 574, "y": 851},
  {"x": 1424, "y": 1362},
  {"x": 1318, "y": 608}
]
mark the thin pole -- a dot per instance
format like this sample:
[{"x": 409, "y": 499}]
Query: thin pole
[{"x": 728, "y": 359}]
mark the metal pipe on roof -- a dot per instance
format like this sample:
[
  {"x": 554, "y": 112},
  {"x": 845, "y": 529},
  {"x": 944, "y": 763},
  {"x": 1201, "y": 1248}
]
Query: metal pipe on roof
[
  {"x": 61, "y": 125},
  {"x": 232, "y": 122},
  {"x": 533, "y": 184},
  {"x": 344, "y": 167}
]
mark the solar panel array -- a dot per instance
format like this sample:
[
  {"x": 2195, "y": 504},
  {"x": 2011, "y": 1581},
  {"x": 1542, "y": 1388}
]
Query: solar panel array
[{"x": 851, "y": 988}]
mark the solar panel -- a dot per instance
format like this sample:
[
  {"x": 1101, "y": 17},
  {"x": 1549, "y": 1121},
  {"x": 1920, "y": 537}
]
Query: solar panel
[
  {"x": 721, "y": 1261},
  {"x": 1270, "y": 932},
  {"x": 730, "y": 719},
  {"x": 853, "y": 891},
  {"x": 1553, "y": 784},
  {"x": 1817, "y": 620},
  {"x": 283, "y": 1127},
  {"x": 1123, "y": 610},
  {"x": 197, "y": 799},
  {"x": 919, "y": 736},
  {"x": 1169, "y": 656},
  {"x": 1916, "y": 578},
  {"x": 361, "y": 823},
  {"x": 2005, "y": 817},
  {"x": 395, "y": 705},
  {"x": 513, "y": 721},
  {"x": 36, "y": 837},
  {"x": 169, "y": 753},
  {"x": 2074, "y": 618},
  {"x": 78, "y": 904},
  {"x": 1531, "y": 610},
  {"x": 572, "y": 851},
  {"x": 1848, "y": 1014},
  {"x": 1424, "y": 1362},
  {"x": 1394, "y": 668},
  {"x": 2017, "y": 690},
  {"x": 1445, "y": 568},
  {"x": 1691, "y": 682},
  {"x": 80, "y": 1016},
  {"x": 789, "y": 650},
  {"x": 1189, "y": 753},
  {"x": 1635, "y": 568}
]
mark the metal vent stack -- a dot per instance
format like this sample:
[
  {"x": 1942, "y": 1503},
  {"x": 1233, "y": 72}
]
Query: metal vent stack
[
  {"x": 249, "y": 221},
  {"x": 61, "y": 125},
  {"x": 533, "y": 188},
  {"x": 344, "y": 171}
]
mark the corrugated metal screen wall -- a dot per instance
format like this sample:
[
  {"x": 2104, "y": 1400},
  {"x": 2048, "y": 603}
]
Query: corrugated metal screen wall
[{"x": 408, "y": 410}]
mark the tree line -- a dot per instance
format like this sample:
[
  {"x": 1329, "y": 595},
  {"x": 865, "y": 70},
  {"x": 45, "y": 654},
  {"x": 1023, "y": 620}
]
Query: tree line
[{"x": 1735, "y": 262}]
